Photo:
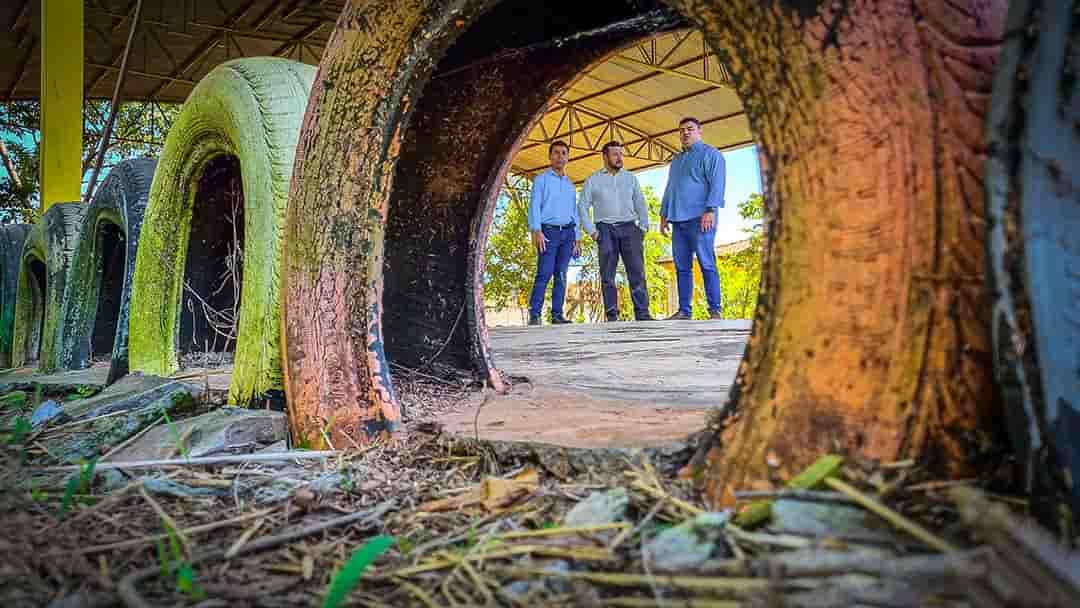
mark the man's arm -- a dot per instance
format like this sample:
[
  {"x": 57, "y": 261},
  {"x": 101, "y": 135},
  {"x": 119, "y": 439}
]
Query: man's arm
[
  {"x": 583, "y": 206},
  {"x": 640, "y": 207},
  {"x": 536, "y": 201},
  {"x": 665, "y": 201},
  {"x": 716, "y": 174}
]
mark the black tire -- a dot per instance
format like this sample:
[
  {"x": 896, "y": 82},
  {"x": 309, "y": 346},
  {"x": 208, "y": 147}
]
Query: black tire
[
  {"x": 1034, "y": 247},
  {"x": 12, "y": 239},
  {"x": 39, "y": 315},
  {"x": 118, "y": 205}
]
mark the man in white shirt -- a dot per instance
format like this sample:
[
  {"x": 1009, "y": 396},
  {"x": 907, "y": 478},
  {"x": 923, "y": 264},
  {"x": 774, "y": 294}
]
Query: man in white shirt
[{"x": 619, "y": 221}]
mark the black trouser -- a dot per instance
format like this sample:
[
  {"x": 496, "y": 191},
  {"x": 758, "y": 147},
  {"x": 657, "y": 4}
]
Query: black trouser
[{"x": 624, "y": 239}]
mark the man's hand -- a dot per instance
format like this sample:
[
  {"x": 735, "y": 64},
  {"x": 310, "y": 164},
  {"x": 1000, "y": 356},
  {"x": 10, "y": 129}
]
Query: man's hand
[
  {"x": 663, "y": 226},
  {"x": 707, "y": 221},
  {"x": 539, "y": 241},
  {"x": 595, "y": 235},
  {"x": 577, "y": 247}
]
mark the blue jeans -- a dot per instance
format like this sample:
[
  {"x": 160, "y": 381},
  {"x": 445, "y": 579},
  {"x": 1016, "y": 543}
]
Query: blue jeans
[
  {"x": 553, "y": 262},
  {"x": 687, "y": 240}
]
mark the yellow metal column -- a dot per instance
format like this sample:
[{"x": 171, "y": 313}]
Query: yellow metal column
[{"x": 61, "y": 100}]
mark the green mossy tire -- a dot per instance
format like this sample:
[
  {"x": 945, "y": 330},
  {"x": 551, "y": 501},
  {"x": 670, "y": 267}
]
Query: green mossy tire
[
  {"x": 251, "y": 109},
  {"x": 52, "y": 242},
  {"x": 120, "y": 201},
  {"x": 12, "y": 239}
]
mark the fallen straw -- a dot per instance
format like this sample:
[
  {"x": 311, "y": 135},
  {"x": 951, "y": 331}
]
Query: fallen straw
[{"x": 890, "y": 516}]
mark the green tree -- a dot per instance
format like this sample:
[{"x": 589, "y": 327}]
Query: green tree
[
  {"x": 139, "y": 130},
  {"x": 740, "y": 272}
]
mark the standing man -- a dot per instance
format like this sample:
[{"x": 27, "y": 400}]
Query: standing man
[
  {"x": 622, "y": 219},
  {"x": 695, "y": 189},
  {"x": 553, "y": 223}
]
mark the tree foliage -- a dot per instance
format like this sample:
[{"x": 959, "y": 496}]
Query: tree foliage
[{"x": 139, "y": 130}]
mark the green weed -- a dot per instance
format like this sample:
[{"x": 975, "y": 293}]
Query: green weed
[
  {"x": 346, "y": 579},
  {"x": 78, "y": 484},
  {"x": 172, "y": 560}
]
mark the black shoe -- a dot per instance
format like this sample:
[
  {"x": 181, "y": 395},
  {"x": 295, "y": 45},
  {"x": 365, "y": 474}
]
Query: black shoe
[
  {"x": 534, "y": 320},
  {"x": 646, "y": 318},
  {"x": 679, "y": 316},
  {"x": 611, "y": 319},
  {"x": 716, "y": 314},
  {"x": 560, "y": 321}
]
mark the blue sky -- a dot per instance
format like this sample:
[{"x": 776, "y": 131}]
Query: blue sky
[{"x": 743, "y": 179}]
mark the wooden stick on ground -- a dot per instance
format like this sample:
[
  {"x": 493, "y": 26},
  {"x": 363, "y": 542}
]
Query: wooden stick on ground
[
  {"x": 891, "y": 516},
  {"x": 205, "y": 460}
]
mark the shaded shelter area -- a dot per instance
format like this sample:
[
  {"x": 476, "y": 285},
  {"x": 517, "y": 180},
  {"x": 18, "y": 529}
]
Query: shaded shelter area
[
  {"x": 210, "y": 304},
  {"x": 112, "y": 245}
]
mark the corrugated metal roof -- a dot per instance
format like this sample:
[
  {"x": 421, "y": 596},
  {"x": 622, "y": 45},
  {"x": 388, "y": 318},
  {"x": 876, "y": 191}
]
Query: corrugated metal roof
[{"x": 637, "y": 97}]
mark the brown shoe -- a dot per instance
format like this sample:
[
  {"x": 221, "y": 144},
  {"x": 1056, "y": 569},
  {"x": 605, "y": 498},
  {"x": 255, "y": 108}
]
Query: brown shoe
[
  {"x": 679, "y": 316},
  {"x": 716, "y": 315}
]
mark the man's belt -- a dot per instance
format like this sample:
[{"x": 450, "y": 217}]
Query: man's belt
[{"x": 562, "y": 227}]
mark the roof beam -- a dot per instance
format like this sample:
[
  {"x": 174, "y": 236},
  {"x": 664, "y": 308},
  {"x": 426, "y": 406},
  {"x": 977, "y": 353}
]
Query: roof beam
[
  {"x": 639, "y": 79},
  {"x": 657, "y": 136},
  {"x": 698, "y": 79},
  {"x": 203, "y": 49},
  {"x": 621, "y": 117}
]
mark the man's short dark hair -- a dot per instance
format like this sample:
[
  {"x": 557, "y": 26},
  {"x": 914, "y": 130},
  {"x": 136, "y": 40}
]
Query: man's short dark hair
[
  {"x": 608, "y": 145},
  {"x": 556, "y": 144},
  {"x": 690, "y": 119}
]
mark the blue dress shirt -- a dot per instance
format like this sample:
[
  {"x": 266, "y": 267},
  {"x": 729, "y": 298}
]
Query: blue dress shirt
[
  {"x": 553, "y": 201},
  {"x": 695, "y": 183}
]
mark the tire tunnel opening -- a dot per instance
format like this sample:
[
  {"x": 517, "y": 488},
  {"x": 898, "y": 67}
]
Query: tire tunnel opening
[
  {"x": 875, "y": 251},
  {"x": 37, "y": 274},
  {"x": 112, "y": 247},
  {"x": 492, "y": 84},
  {"x": 213, "y": 268}
]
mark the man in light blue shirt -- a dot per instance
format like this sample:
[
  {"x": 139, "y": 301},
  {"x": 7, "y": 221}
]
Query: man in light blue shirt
[
  {"x": 621, "y": 221},
  {"x": 694, "y": 191},
  {"x": 553, "y": 222}
]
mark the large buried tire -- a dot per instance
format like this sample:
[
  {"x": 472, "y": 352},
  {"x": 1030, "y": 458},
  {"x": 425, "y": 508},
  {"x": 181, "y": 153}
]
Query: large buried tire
[
  {"x": 12, "y": 239},
  {"x": 43, "y": 272},
  {"x": 99, "y": 284},
  {"x": 871, "y": 334},
  {"x": 1034, "y": 206},
  {"x": 250, "y": 110}
]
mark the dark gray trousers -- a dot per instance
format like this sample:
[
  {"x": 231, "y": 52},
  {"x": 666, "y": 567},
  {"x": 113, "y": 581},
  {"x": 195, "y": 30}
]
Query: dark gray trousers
[{"x": 624, "y": 240}]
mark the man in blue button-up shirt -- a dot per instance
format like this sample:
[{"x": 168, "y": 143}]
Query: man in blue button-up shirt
[
  {"x": 694, "y": 191},
  {"x": 553, "y": 222}
]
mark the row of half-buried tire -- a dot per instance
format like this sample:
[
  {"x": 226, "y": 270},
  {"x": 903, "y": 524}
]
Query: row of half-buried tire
[
  {"x": 915, "y": 356},
  {"x": 873, "y": 330},
  {"x": 136, "y": 231}
]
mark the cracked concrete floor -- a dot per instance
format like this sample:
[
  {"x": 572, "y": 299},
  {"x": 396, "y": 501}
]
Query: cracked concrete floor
[{"x": 607, "y": 385}]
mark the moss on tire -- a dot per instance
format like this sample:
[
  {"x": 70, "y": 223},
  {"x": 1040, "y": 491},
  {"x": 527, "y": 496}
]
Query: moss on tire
[
  {"x": 251, "y": 109},
  {"x": 119, "y": 202},
  {"x": 12, "y": 239},
  {"x": 39, "y": 314}
]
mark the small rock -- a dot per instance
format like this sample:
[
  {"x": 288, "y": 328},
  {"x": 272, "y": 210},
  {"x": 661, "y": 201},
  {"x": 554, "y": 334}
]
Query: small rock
[
  {"x": 848, "y": 522},
  {"x": 13, "y": 400},
  {"x": 557, "y": 584},
  {"x": 688, "y": 545},
  {"x": 46, "y": 412},
  {"x": 518, "y": 590},
  {"x": 599, "y": 508},
  {"x": 304, "y": 497}
]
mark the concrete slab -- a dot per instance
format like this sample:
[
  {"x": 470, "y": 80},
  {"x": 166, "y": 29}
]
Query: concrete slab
[
  {"x": 670, "y": 363},
  {"x": 606, "y": 385},
  {"x": 94, "y": 375}
]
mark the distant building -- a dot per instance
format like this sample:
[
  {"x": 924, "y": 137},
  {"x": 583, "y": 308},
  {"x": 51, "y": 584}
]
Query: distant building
[{"x": 668, "y": 263}]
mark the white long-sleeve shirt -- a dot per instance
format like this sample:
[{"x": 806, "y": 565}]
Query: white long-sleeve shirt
[{"x": 613, "y": 199}]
